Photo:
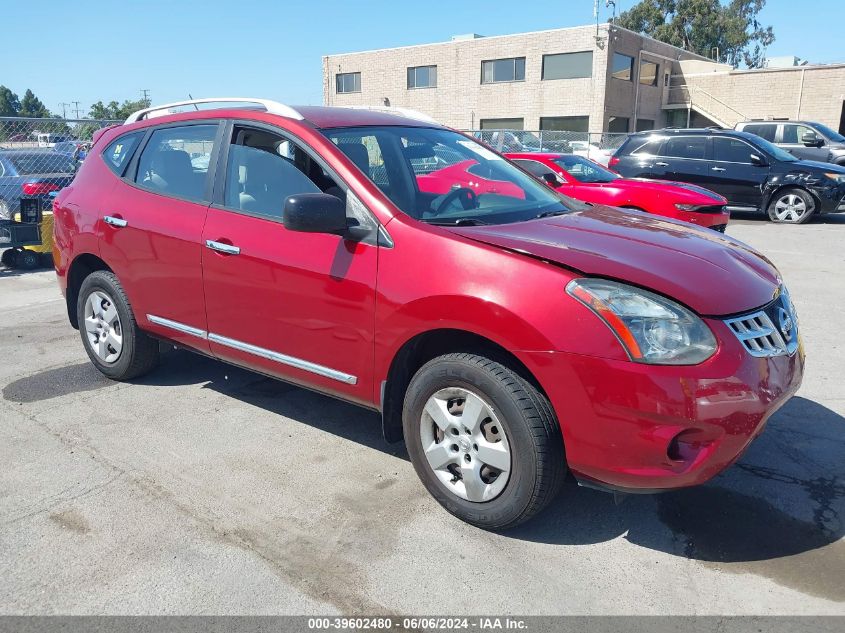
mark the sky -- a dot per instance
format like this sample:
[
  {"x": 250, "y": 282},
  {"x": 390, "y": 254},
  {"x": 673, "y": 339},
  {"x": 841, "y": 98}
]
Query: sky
[{"x": 88, "y": 51}]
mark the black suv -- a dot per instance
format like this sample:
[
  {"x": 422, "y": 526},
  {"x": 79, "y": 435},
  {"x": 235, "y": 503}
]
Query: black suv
[{"x": 749, "y": 171}]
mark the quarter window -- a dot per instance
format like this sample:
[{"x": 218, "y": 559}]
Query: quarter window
[
  {"x": 568, "y": 65},
  {"x": 731, "y": 150},
  {"x": 117, "y": 154},
  {"x": 501, "y": 70},
  {"x": 175, "y": 161},
  {"x": 648, "y": 73},
  {"x": 623, "y": 66},
  {"x": 348, "y": 82},
  {"x": 422, "y": 77},
  {"x": 685, "y": 147}
]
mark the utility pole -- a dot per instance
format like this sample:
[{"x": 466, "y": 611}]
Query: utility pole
[
  {"x": 64, "y": 105},
  {"x": 76, "y": 108},
  {"x": 145, "y": 97}
]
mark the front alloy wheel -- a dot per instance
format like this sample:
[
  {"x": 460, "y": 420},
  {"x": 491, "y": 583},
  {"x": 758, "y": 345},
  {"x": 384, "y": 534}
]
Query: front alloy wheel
[
  {"x": 792, "y": 206},
  {"x": 465, "y": 444},
  {"x": 484, "y": 440}
]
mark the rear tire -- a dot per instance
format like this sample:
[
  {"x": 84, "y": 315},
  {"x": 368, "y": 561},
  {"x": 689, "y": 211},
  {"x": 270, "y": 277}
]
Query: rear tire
[
  {"x": 791, "y": 206},
  {"x": 511, "y": 431},
  {"x": 111, "y": 337}
]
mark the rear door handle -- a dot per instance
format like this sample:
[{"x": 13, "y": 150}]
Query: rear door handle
[
  {"x": 113, "y": 221},
  {"x": 717, "y": 169},
  {"x": 220, "y": 247},
  {"x": 662, "y": 164}
]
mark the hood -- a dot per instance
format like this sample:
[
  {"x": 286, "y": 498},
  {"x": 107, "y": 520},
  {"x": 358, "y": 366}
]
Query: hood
[
  {"x": 705, "y": 270},
  {"x": 680, "y": 188},
  {"x": 816, "y": 166}
]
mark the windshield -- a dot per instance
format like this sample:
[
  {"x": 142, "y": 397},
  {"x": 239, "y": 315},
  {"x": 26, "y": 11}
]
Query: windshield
[
  {"x": 584, "y": 170},
  {"x": 836, "y": 137},
  {"x": 443, "y": 177},
  {"x": 774, "y": 150}
]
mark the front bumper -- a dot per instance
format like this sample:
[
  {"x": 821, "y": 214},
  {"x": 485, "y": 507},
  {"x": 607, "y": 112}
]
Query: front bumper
[
  {"x": 831, "y": 198},
  {"x": 639, "y": 427}
]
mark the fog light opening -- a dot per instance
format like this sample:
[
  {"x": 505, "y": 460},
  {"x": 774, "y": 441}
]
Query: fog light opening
[{"x": 685, "y": 447}]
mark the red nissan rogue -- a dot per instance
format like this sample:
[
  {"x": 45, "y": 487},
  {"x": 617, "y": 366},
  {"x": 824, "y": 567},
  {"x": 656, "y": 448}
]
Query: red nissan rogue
[{"x": 508, "y": 336}]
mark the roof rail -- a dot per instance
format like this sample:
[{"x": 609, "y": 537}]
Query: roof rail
[
  {"x": 273, "y": 107},
  {"x": 406, "y": 112}
]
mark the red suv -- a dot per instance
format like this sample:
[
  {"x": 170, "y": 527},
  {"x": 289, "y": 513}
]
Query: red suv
[{"x": 506, "y": 336}]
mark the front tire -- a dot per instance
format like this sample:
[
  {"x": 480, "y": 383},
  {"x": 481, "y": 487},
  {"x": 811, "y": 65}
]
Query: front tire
[
  {"x": 484, "y": 442},
  {"x": 791, "y": 206},
  {"x": 110, "y": 334}
]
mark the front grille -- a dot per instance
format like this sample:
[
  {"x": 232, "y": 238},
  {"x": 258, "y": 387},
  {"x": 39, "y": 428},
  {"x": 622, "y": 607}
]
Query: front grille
[{"x": 772, "y": 331}]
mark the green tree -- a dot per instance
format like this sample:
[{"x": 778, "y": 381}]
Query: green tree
[
  {"x": 9, "y": 103},
  {"x": 31, "y": 106},
  {"x": 115, "y": 110},
  {"x": 700, "y": 26}
]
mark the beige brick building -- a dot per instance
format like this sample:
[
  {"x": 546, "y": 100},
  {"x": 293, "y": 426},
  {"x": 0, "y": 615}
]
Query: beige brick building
[{"x": 590, "y": 78}]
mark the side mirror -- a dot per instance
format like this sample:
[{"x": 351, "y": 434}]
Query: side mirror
[
  {"x": 551, "y": 179},
  {"x": 758, "y": 160},
  {"x": 811, "y": 139},
  {"x": 315, "y": 213}
]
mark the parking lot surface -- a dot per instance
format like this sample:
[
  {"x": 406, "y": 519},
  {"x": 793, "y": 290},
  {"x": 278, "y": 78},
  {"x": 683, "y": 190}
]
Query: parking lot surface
[{"x": 202, "y": 488}]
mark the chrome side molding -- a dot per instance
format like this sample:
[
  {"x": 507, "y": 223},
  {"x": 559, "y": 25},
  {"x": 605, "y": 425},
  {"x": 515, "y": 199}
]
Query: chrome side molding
[{"x": 283, "y": 359}]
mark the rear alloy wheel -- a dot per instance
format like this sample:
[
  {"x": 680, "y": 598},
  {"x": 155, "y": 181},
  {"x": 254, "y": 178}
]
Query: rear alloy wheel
[
  {"x": 112, "y": 339},
  {"x": 483, "y": 440},
  {"x": 791, "y": 206}
]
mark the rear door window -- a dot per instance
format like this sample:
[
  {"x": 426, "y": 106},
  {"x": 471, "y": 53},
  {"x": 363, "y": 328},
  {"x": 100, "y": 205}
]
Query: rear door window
[
  {"x": 685, "y": 147},
  {"x": 175, "y": 161}
]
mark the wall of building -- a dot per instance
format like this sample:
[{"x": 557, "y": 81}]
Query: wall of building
[
  {"x": 813, "y": 93},
  {"x": 462, "y": 101}
]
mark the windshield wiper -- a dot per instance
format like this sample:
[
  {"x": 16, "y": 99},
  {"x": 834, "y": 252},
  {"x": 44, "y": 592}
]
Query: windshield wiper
[
  {"x": 458, "y": 222},
  {"x": 550, "y": 214}
]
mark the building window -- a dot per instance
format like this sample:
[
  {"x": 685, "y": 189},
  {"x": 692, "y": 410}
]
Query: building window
[
  {"x": 498, "y": 70},
  {"x": 648, "y": 73},
  {"x": 348, "y": 82},
  {"x": 618, "y": 124},
  {"x": 565, "y": 123},
  {"x": 568, "y": 65},
  {"x": 502, "y": 124},
  {"x": 623, "y": 66},
  {"x": 422, "y": 77},
  {"x": 645, "y": 124}
]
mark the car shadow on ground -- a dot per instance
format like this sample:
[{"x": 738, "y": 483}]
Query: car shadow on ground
[{"x": 779, "y": 511}]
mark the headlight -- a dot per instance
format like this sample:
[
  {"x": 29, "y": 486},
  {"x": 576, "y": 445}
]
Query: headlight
[
  {"x": 651, "y": 328},
  {"x": 687, "y": 207},
  {"x": 839, "y": 178}
]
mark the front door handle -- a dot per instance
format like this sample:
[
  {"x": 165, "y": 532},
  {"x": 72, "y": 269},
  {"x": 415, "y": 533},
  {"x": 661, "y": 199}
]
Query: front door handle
[
  {"x": 662, "y": 164},
  {"x": 717, "y": 169},
  {"x": 116, "y": 222},
  {"x": 220, "y": 247}
]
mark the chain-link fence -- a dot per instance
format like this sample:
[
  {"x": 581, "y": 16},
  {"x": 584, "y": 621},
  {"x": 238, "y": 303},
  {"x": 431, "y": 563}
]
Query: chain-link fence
[
  {"x": 39, "y": 157},
  {"x": 595, "y": 146}
]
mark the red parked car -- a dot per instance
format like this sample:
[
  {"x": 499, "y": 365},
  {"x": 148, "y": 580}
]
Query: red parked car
[
  {"x": 507, "y": 336},
  {"x": 585, "y": 180}
]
